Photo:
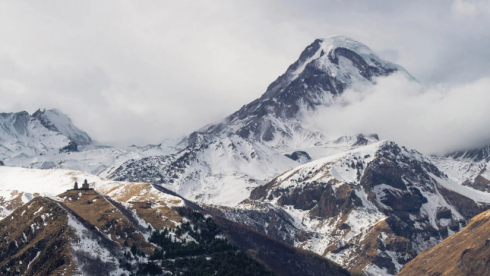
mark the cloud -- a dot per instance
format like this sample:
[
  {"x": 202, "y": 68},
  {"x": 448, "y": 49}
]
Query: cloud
[
  {"x": 434, "y": 120},
  {"x": 464, "y": 9},
  {"x": 142, "y": 71}
]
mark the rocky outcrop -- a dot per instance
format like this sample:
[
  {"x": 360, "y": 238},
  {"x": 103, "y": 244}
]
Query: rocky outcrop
[
  {"x": 464, "y": 253},
  {"x": 323, "y": 71},
  {"x": 300, "y": 156},
  {"x": 373, "y": 208},
  {"x": 475, "y": 155}
]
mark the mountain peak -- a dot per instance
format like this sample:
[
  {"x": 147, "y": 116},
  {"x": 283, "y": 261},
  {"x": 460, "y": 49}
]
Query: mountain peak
[
  {"x": 332, "y": 55},
  {"x": 57, "y": 121},
  {"x": 322, "y": 72}
]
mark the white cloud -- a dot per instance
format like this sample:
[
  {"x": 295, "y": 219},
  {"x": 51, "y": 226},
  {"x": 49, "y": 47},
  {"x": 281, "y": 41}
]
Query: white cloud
[
  {"x": 433, "y": 120},
  {"x": 465, "y": 8},
  {"x": 141, "y": 71}
]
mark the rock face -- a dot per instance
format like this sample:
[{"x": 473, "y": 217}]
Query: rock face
[
  {"x": 469, "y": 168},
  {"x": 56, "y": 121},
  {"x": 476, "y": 155},
  {"x": 373, "y": 208},
  {"x": 300, "y": 156},
  {"x": 323, "y": 71},
  {"x": 464, "y": 253}
]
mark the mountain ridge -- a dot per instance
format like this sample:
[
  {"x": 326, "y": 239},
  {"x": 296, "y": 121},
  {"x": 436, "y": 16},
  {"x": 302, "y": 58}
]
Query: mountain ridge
[{"x": 323, "y": 71}]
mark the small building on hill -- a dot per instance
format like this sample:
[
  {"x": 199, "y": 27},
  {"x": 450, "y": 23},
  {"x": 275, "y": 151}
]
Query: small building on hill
[{"x": 85, "y": 185}]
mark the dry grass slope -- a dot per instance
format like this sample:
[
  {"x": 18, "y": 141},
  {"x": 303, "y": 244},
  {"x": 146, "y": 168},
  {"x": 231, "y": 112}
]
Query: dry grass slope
[
  {"x": 96, "y": 210},
  {"x": 35, "y": 240}
]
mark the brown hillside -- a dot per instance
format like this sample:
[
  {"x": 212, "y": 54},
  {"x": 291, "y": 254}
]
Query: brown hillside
[
  {"x": 35, "y": 240},
  {"x": 99, "y": 212},
  {"x": 154, "y": 206},
  {"x": 464, "y": 253}
]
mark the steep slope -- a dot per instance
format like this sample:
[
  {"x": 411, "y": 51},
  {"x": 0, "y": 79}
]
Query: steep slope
[
  {"x": 470, "y": 168},
  {"x": 23, "y": 135},
  {"x": 223, "y": 170},
  {"x": 56, "y": 121},
  {"x": 46, "y": 132},
  {"x": 464, "y": 253},
  {"x": 41, "y": 250},
  {"x": 138, "y": 229},
  {"x": 475, "y": 155},
  {"x": 467, "y": 169},
  {"x": 217, "y": 171},
  {"x": 79, "y": 232},
  {"x": 323, "y": 71},
  {"x": 220, "y": 163},
  {"x": 373, "y": 208}
]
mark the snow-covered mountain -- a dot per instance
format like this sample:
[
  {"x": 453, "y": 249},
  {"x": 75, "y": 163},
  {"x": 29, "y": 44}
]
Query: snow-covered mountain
[
  {"x": 220, "y": 163},
  {"x": 44, "y": 133},
  {"x": 367, "y": 204},
  {"x": 23, "y": 135},
  {"x": 56, "y": 121},
  {"x": 469, "y": 168},
  {"x": 279, "y": 118},
  {"x": 373, "y": 208},
  {"x": 216, "y": 171},
  {"x": 48, "y": 139},
  {"x": 223, "y": 170},
  {"x": 94, "y": 159}
]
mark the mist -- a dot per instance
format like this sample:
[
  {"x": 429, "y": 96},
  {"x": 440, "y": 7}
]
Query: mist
[
  {"x": 434, "y": 120},
  {"x": 144, "y": 71}
]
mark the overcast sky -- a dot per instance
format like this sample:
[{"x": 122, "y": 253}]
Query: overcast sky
[{"x": 142, "y": 71}]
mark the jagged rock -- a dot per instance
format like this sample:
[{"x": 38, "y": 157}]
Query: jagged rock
[
  {"x": 476, "y": 155},
  {"x": 371, "y": 208},
  {"x": 323, "y": 71},
  {"x": 464, "y": 253}
]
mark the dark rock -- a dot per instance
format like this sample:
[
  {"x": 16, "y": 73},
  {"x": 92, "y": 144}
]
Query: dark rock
[
  {"x": 443, "y": 212},
  {"x": 476, "y": 155},
  {"x": 71, "y": 147},
  {"x": 292, "y": 92},
  {"x": 301, "y": 156}
]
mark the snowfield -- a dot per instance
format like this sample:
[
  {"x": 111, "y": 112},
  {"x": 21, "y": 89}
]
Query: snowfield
[{"x": 19, "y": 185}]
